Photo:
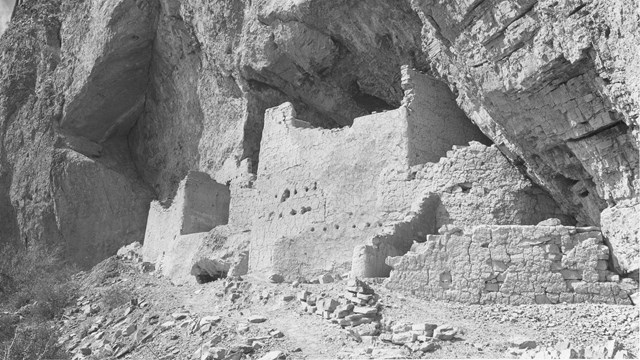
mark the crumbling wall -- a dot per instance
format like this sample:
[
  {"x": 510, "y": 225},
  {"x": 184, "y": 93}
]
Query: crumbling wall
[
  {"x": 434, "y": 115},
  {"x": 205, "y": 204},
  {"x": 200, "y": 205},
  {"x": 473, "y": 185},
  {"x": 395, "y": 239},
  {"x": 512, "y": 265},
  {"x": 477, "y": 185}
]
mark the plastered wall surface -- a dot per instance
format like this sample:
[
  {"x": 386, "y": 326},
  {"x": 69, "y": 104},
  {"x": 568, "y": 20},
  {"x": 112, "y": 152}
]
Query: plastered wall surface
[{"x": 200, "y": 204}]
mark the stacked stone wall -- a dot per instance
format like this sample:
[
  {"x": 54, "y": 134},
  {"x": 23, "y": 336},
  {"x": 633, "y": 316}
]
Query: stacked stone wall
[{"x": 511, "y": 265}]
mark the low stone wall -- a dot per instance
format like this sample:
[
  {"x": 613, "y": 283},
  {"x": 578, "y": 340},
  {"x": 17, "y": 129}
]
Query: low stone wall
[{"x": 511, "y": 265}]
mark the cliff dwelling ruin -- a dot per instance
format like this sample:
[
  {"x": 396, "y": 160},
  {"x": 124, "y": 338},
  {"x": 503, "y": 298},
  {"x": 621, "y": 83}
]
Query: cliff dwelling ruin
[
  {"x": 447, "y": 149},
  {"x": 417, "y": 194}
]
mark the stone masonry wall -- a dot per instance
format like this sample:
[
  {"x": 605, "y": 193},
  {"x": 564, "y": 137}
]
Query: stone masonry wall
[
  {"x": 512, "y": 265},
  {"x": 477, "y": 185}
]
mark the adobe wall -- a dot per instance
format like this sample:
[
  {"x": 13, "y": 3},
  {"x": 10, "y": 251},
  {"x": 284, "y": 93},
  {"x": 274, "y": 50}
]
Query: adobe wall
[
  {"x": 434, "y": 121},
  {"x": 510, "y": 265},
  {"x": 205, "y": 204},
  {"x": 317, "y": 189},
  {"x": 200, "y": 204}
]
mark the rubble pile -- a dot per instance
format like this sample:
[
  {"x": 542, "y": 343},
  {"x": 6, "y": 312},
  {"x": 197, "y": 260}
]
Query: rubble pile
[{"x": 564, "y": 350}]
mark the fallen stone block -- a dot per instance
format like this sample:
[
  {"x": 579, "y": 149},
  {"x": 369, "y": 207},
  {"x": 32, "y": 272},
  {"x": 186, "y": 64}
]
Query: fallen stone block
[
  {"x": 365, "y": 310},
  {"x": 361, "y": 321},
  {"x": 445, "y": 332},
  {"x": 568, "y": 354},
  {"x": 179, "y": 316},
  {"x": 522, "y": 342},
  {"x": 403, "y": 338},
  {"x": 273, "y": 355},
  {"x": 428, "y": 346},
  {"x": 303, "y": 295},
  {"x": 389, "y": 353},
  {"x": 325, "y": 279},
  {"x": 276, "y": 278},
  {"x": 256, "y": 319},
  {"x": 209, "y": 320},
  {"x": 330, "y": 305}
]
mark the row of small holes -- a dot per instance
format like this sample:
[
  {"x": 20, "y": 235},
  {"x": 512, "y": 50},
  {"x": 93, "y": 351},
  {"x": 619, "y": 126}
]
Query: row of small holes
[
  {"x": 336, "y": 226},
  {"x": 295, "y": 191}
]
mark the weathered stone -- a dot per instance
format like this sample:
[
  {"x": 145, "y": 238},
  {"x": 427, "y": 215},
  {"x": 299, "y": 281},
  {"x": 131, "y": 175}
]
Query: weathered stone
[
  {"x": 256, "y": 319},
  {"x": 522, "y": 342},
  {"x": 550, "y": 222},
  {"x": 167, "y": 324},
  {"x": 130, "y": 329},
  {"x": 273, "y": 355},
  {"x": 276, "y": 278},
  {"x": 403, "y": 338},
  {"x": 445, "y": 332},
  {"x": 424, "y": 327},
  {"x": 179, "y": 316},
  {"x": 212, "y": 319},
  {"x": 568, "y": 354},
  {"x": 325, "y": 279},
  {"x": 428, "y": 346},
  {"x": 276, "y": 334},
  {"x": 621, "y": 227},
  {"x": 330, "y": 305},
  {"x": 365, "y": 310},
  {"x": 303, "y": 295}
]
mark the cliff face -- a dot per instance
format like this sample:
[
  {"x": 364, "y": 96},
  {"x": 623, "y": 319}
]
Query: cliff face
[
  {"x": 105, "y": 105},
  {"x": 555, "y": 85}
]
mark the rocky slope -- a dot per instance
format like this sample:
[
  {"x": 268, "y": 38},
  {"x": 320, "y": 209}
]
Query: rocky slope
[
  {"x": 127, "y": 312},
  {"x": 107, "y": 105}
]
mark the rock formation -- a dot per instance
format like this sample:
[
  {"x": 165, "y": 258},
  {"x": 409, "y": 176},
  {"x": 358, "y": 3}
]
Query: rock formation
[{"x": 300, "y": 108}]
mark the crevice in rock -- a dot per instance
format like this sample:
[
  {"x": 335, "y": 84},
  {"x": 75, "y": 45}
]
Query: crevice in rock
[
  {"x": 578, "y": 8},
  {"x": 619, "y": 124},
  {"x": 500, "y": 32}
]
